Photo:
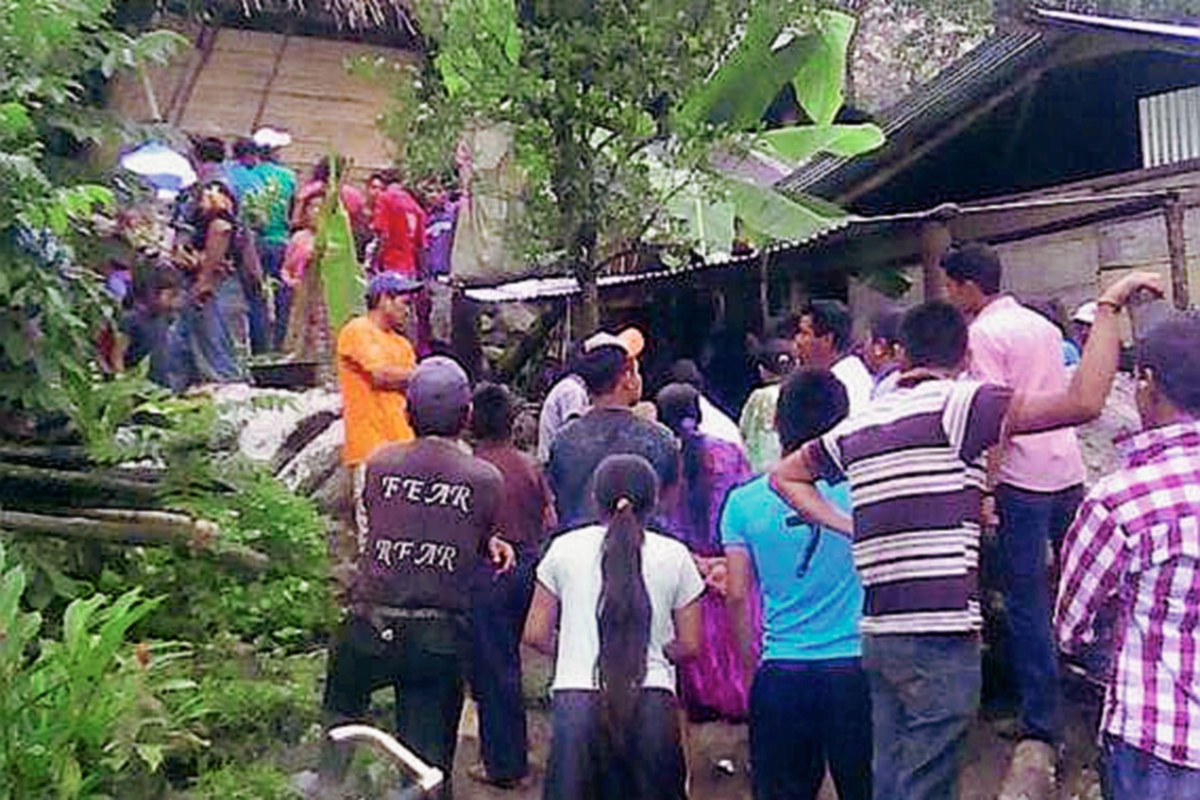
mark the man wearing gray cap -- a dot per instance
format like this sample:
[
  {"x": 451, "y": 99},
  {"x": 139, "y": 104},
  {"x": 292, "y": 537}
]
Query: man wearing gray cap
[{"x": 427, "y": 515}]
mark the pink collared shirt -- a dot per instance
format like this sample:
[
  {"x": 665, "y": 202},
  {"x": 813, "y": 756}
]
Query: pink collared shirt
[{"x": 1015, "y": 347}]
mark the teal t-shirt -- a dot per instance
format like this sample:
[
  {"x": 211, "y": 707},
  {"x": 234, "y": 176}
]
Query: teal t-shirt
[
  {"x": 812, "y": 597},
  {"x": 279, "y": 185}
]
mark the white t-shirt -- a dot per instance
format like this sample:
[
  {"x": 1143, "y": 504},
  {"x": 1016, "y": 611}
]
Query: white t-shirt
[
  {"x": 570, "y": 570},
  {"x": 853, "y": 374},
  {"x": 716, "y": 423},
  {"x": 567, "y": 400}
]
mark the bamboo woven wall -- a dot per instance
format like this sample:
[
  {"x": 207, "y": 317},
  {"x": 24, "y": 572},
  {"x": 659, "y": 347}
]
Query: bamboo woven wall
[{"x": 235, "y": 81}]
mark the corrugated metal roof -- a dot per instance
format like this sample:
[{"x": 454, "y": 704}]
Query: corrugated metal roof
[
  {"x": 1123, "y": 24},
  {"x": 533, "y": 289},
  {"x": 530, "y": 289},
  {"x": 966, "y": 80},
  {"x": 954, "y": 88}
]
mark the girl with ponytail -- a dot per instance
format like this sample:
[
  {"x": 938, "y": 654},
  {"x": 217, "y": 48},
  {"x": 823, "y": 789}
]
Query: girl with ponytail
[{"x": 625, "y": 600}]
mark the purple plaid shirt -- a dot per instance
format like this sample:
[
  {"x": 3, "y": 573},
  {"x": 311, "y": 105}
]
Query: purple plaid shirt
[{"x": 1135, "y": 549}]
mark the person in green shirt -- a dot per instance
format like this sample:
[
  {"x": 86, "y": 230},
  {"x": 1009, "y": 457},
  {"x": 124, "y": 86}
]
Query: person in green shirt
[{"x": 274, "y": 208}]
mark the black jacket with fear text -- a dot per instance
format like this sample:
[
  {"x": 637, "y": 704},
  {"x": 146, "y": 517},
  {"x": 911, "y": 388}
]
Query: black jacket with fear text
[{"x": 426, "y": 510}]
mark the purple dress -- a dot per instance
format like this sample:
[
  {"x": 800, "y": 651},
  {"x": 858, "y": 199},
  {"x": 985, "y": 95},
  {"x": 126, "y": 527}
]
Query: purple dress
[{"x": 712, "y": 685}]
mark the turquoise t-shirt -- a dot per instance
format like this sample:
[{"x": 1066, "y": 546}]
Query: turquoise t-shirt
[
  {"x": 279, "y": 184},
  {"x": 812, "y": 597}
]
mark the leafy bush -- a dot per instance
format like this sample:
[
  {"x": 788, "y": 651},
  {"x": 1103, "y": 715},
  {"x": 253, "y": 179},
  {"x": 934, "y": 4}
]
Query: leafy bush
[
  {"x": 291, "y": 604},
  {"x": 255, "y": 781},
  {"x": 253, "y": 704},
  {"x": 83, "y": 713}
]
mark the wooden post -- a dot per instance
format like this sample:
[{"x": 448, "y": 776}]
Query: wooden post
[
  {"x": 935, "y": 241},
  {"x": 764, "y": 289},
  {"x": 1173, "y": 213}
]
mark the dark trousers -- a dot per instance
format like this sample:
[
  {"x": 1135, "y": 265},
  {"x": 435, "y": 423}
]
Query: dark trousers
[
  {"x": 263, "y": 334},
  {"x": 804, "y": 715},
  {"x": 424, "y": 663},
  {"x": 1132, "y": 774},
  {"x": 924, "y": 696},
  {"x": 498, "y": 612},
  {"x": 582, "y": 766},
  {"x": 1028, "y": 521}
]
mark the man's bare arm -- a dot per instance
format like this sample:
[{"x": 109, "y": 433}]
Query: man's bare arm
[
  {"x": 540, "y": 623},
  {"x": 793, "y": 478},
  {"x": 1085, "y": 397},
  {"x": 737, "y": 603}
]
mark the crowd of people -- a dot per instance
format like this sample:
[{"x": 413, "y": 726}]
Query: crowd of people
[
  {"x": 238, "y": 275},
  {"x": 811, "y": 569}
]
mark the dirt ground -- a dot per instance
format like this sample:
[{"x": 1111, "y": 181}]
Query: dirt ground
[{"x": 988, "y": 752}]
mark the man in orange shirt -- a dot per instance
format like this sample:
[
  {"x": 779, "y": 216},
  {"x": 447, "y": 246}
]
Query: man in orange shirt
[{"x": 374, "y": 365}]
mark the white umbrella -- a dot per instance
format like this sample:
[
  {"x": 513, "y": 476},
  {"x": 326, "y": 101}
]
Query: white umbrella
[{"x": 160, "y": 166}]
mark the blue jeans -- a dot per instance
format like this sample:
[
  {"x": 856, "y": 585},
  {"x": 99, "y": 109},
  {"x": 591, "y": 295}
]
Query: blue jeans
[
  {"x": 497, "y": 617},
  {"x": 1132, "y": 774},
  {"x": 803, "y": 715},
  {"x": 1028, "y": 520},
  {"x": 924, "y": 696},
  {"x": 264, "y": 334}
]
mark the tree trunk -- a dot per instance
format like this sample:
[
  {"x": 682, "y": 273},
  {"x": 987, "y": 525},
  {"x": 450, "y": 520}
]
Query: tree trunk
[
  {"x": 124, "y": 527},
  {"x": 588, "y": 320},
  {"x": 23, "y": 486}
]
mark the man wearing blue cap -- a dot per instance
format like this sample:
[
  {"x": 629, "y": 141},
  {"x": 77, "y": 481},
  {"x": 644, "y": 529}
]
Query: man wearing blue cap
[
  {"x": 428, "y": 515},
  {"x": 374, "y": 364}
]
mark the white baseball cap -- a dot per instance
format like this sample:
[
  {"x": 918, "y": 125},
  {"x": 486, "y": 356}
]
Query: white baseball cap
[
  {"x": 630, "y": 340},
  {"x": 272, "y": 138},
  {"x": 1086, "y": 313}
]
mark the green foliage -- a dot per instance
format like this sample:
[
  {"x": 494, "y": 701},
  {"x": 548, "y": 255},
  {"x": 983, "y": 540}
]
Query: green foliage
[
  {"x": 87, "y": 710},
  {"x": 289, "y": 605},
  {"x": 618, "y": 109},
  {"x": 242, "y": 781},
  {"x": 49, "y": 308},
  {"x": 255, "y": 703},
  {"x": 342, "y": 278}
]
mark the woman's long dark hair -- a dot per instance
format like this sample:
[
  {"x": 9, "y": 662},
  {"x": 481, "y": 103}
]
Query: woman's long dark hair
[
  {"x": 679, "y": 409},
  {"x": 626, "y": 491}
]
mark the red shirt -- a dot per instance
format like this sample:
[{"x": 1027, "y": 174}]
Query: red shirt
[{"x": 399, "y": 221}]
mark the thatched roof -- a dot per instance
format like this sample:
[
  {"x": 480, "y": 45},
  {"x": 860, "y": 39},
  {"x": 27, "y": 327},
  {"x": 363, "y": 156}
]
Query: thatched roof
[{"x": 355, "y": 14}]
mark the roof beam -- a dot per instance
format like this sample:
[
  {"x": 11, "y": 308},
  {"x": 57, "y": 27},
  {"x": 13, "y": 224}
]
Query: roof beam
[{"x": 926, "y": 147}]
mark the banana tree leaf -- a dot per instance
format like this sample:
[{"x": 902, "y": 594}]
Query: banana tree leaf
[
  {"x": 706, "y": 221},
  {"x": 802, "y": 142},
  {"x": 746, "y": 84},
  {"x": 819, "y": 78},
  {"x": 891, "y": 282},
  {"x": 706, "y": 216},
  {"x": 768, "y": 215},
  {"x": 341, "y": 275}
]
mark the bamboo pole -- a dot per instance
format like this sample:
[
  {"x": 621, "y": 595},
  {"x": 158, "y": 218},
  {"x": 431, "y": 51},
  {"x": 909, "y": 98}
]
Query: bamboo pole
[
  {"x": 131, "y": 527},
  {"x": 1173, "y": 212}
]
